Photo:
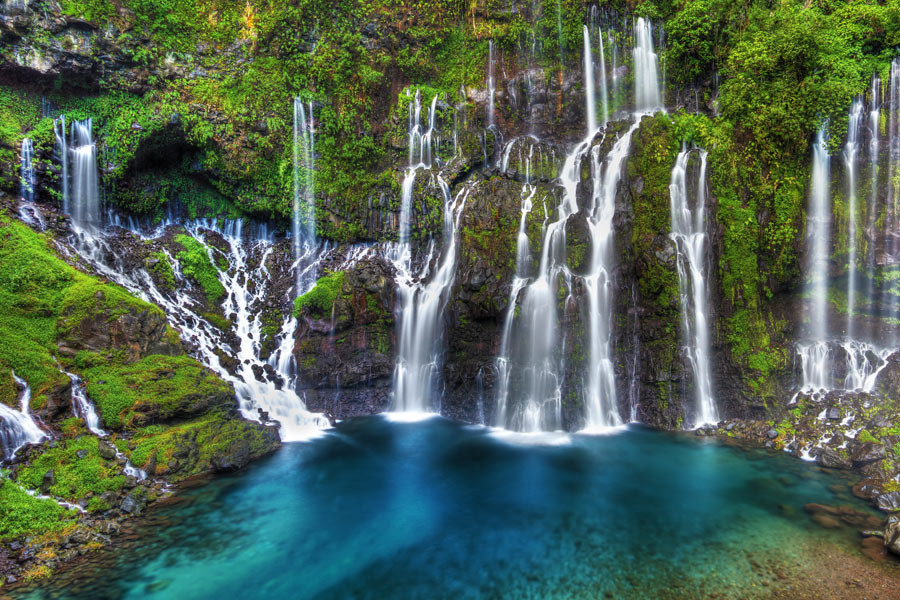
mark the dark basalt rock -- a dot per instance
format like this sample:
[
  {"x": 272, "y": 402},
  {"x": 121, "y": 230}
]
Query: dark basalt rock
[
  {"x": 867, "y": 453},
  {"x": 831, "y": 459}
]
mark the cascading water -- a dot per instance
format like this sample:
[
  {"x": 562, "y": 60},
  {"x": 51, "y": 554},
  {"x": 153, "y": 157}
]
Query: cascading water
[
  {"x": 531, "y": 364},
  {"x": 304, "y": 218},
  {"x": 26, "y": 172},
  {"x": 590, "y": 110},
  {"x": 647, "y": 96},
  {"x": 84, "y": 203},
  {"x": 689, "y": 235},
  {"x": 62, "y": 149},
  {"x": 874, "y": 117},
  {"x": 892, "y": 211},
  {"x": 490, "y": 85},
  {"x": 851, "y": 154},
  {"x": 815, "y": 355},
  {"x": 17, "y": 427},
  {"x": 420, "y": 339},
  {"x": 246, "y": 287},
  {"x": 604, "y": 91},
  {"x": 83, "y": 407},
  {"x": 523, "y": 265}
]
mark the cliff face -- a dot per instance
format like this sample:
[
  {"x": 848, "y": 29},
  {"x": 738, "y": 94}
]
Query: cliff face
[{"x": 192, "y": 114}]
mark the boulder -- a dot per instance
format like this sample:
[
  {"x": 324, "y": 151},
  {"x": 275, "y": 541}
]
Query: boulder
[
  {"x": 892, "y": 534},
  {"x": 831, "y": 459},
  {"x": 866, "y": 454}
]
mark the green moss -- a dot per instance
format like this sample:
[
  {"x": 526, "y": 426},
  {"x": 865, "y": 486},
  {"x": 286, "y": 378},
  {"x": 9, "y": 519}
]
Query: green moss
[
  {"x": 161, "y": 267},
  {"x": 22, "y": 514},
  {"x": 153, "y": 388},
  {"x": 78, "y": 469},
  {"x": 196, "y": 264},
  {"x": 42, "y": 299},
  {"x": 321, "y": 298},
  {"x": 195, "y": 446}
]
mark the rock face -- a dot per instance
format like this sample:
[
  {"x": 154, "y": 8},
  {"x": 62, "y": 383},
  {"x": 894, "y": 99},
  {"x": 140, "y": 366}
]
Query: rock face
[{"x": 138, "y": 331}]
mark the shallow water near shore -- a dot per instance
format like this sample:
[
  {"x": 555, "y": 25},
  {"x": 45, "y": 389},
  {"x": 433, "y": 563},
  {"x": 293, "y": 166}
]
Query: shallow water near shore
[{"x": 437, "y": 509}]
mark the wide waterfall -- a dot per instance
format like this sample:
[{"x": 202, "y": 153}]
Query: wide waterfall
[
  {"x": 647, "y": 95},
  {"x": 85, "y": 190},
  {"x": 852, "y": 360},
  {"x": 17, "y": 427},
  {"x": 532, "y": 360},
  {"x": 26, "y": 172},
  {"x": 689, "y": 235},
  {"x": 303, "y": 233}
]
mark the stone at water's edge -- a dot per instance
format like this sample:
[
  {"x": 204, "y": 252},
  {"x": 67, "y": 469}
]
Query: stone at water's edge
[{"x": 892, "y": 534}]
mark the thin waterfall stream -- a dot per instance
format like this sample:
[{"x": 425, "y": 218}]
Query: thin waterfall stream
[{"x": 689, "y": 235}]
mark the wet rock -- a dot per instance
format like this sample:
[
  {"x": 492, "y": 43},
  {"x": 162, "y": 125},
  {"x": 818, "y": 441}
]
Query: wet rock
[
  {"x": 868, "y": 489},
  {"x": 888, "y": 502},
  {"x": 772, "y": 434},
  {"x": 81, "y": 453},
  {"x": 831, "y": 459},
  {"x": 131, "y": 504},
  {"x": 107, "y": 452},
  {"x": 866, "y": 454},
  {"x": 892, "y": 534},
  {"x": 834, "y": 413},
  {"x": 48, "y": 481}
]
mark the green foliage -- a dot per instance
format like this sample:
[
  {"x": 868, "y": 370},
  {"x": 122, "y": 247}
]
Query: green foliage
[
  {"x": 22, "y": 514},
  {"x": 196, "y": 264},
  {"x": 43, "y": 299},
  {"x": 321, "y": 298},
  {"x": 78, "y": 469},
  {"x": 155, "y": 388}
]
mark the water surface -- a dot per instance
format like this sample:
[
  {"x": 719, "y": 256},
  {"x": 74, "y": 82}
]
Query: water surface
[{"x": 436, "y": 509}]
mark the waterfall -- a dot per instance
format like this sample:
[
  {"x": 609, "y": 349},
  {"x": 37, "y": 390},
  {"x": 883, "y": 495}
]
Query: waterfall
[
  {"x": 815, "y": 354},
  {"x": 601, "y": 410},
  {"x": 892, "y": 213},
  {"x": 647, "y": 97},
  {"x": 304, "y": 216},
  {"x": 420, "y": 337},
  {"x": 490, "y": 85},
  {"x": 874, "y": 117},
  {"x": 523, "y": 264},
  {"x": 26, "y": 180},
  {"x": 851, "y": 153},
  {"x": 83, "y": 407},
  {"x": 614, "y": 50},
  {"x": 85, "y": 191},
  {"x": 604, "y": 93},
  {"x": 62, "y": 149},
  {"x": 689, "y": 235},
  {"x": 247, "y": 289},
  {"x": 590, "y": 108},
  {"x": 17, "y": 427}
]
